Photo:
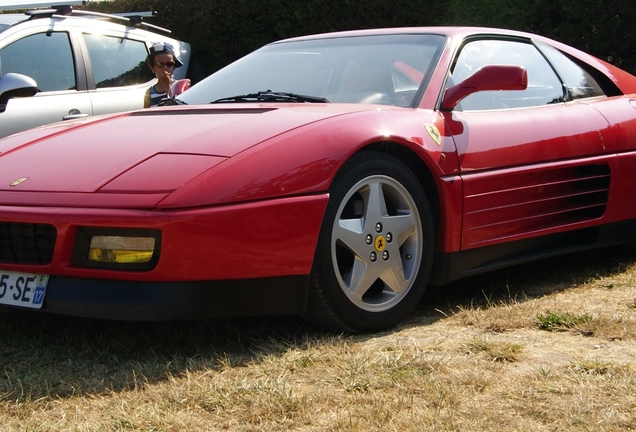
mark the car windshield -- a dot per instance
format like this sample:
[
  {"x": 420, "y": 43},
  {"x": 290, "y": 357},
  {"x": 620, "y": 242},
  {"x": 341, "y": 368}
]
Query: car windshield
[{"x": 377, "y": 69}]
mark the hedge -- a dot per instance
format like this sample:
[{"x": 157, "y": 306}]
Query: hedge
[{"x": 221, "y": 31}]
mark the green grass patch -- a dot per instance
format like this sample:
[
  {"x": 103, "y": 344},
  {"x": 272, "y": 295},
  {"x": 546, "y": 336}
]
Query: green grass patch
[{"x": 559, "y": 320}]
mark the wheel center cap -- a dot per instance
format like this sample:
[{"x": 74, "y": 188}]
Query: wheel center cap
[{"x": 379, "y": 243}]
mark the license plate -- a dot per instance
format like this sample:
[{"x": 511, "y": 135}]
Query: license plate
[{"x": 22, "y": 289}]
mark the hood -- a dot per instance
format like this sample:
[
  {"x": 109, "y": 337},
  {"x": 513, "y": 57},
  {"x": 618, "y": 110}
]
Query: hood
[{"x": 181, "y": 142}]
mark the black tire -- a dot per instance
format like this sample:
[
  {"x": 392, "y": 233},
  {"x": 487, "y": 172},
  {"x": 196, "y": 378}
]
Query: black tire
[{"x": 375, "y": 247}]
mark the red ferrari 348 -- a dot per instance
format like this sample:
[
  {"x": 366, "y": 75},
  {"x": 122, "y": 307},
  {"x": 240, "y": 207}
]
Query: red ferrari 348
[{"x": 332, "y": 176}]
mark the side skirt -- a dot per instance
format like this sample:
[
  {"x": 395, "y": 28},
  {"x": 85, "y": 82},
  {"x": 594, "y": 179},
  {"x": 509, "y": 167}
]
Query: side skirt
[{"x": 454, "y": 266}]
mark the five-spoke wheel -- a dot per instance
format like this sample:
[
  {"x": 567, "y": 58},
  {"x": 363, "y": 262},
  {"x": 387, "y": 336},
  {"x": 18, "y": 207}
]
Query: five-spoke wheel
[{"x": 375, "y": 248}]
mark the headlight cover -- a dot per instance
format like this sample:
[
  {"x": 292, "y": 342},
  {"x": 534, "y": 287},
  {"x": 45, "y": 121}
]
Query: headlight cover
[{"x": 117, "y": 248}]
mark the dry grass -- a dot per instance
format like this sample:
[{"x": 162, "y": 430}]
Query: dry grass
[{"x": 548, "y": 346}]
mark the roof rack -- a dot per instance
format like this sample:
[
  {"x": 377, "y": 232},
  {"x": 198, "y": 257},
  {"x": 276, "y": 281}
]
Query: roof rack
[
  {"x": 134, "y": 19},
  {"x": 40, "y": 4}
]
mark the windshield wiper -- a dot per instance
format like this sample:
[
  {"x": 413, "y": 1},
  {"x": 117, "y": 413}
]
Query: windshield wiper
[
  {"x": 171, "y": 101},
  {"x": 270, "y": 96}
]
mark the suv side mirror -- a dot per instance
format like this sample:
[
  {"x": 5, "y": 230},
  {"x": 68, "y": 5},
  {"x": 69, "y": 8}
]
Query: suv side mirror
[
  {"x": 490, "y": 77},
  {"x": 14, "y": 85}
]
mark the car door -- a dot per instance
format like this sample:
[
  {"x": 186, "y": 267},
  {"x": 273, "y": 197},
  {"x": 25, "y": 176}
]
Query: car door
[
  {"x": 118, "y": 75},
  {"x": 48, "y": 58},
  {"x": 532, "y": 161},
  {"x": 620, "y": 112}
]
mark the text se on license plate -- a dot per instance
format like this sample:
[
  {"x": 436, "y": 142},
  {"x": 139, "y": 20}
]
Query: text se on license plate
[{"x": 22, "y": 289}]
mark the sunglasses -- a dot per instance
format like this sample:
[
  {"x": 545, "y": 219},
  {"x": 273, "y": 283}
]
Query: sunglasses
[{"x": 166, "y": 64}]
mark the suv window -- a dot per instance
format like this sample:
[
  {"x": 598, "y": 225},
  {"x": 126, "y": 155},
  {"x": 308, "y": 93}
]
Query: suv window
[
  {"x": 544, "y": 87},
  {"x": 579, "y": 83},
  {"x": 116, "y": 61},
  {"x": 45, "y": 57}
]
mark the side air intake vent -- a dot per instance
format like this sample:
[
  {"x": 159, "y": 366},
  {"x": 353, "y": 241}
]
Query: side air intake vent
[{"x": 532, "y": 202}]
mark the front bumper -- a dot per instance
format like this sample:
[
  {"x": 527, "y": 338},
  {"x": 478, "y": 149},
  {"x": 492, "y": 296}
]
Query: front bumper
[
  {"x": 166, "y": 301},
  {"x": 254, "y": 240}
]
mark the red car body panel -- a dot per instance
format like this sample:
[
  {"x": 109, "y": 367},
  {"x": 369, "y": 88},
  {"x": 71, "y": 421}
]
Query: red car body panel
[
  {"x": 290, "y": 223},
  {"x": 119, "y": 165},
  {"x": 285, "y": 179},
  {"x": 239, "y": 190}
]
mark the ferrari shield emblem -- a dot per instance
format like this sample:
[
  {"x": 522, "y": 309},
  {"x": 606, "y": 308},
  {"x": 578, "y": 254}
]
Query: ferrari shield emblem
[
  {"x": 434, "y": 133},
  {"x": 18, "y": 181}
]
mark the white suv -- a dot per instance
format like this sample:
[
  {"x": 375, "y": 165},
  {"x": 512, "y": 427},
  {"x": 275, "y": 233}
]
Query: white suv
[{"x": 59, "y": 64}]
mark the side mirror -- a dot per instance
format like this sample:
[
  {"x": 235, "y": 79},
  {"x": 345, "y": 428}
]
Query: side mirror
[
  {"x": 490, "y": 77},
  {"x": 13, "y": 85}
]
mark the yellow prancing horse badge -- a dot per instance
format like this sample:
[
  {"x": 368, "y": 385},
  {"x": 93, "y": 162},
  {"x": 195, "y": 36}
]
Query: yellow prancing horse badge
[
  {"x": 434, "y": 133},
  {"x": 380, "y": 243}
]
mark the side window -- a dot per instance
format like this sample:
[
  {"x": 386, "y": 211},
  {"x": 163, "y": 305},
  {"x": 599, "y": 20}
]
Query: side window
[
  {"x": 579, "y": 83},
  {"x": 45, "y": 57},
  {"x": 544, "y": 87},
  {"x": 117, "y": 62}
]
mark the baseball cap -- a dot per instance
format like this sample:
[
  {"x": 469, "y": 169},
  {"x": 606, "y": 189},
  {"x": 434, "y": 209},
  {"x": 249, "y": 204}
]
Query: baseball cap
[{"x": 165, "y": 47}]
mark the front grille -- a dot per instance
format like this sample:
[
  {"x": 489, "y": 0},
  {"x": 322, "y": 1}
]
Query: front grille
[{"x": 25, "y": 243}]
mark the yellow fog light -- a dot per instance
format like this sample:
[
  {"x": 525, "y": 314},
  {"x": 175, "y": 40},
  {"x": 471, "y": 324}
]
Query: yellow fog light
[{"x": 118, "y": 249}]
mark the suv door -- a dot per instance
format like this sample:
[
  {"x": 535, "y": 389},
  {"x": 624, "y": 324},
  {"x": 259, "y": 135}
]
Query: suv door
[
  {"x": 48, "y": 58},
  {"x": 117, "y": 73}
]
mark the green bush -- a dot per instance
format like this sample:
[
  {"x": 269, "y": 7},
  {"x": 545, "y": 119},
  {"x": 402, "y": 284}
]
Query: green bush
[
  {"x": 221, "y": 31},
  {"x": 603, "y": 28}
]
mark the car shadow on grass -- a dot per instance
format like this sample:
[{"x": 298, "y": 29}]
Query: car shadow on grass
[
  {"x": 48, "y": 356},
  {"x": 527, "y": 281}
]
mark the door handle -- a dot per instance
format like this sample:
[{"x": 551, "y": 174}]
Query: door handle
[{"x": 74, "y": 114}]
